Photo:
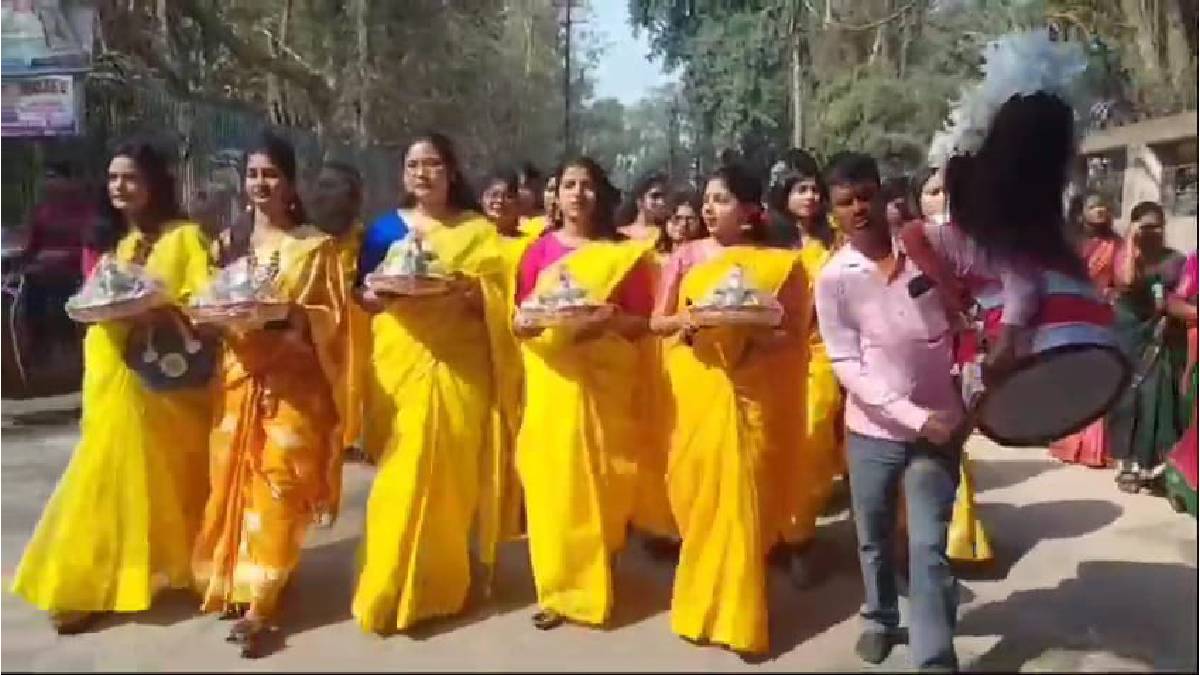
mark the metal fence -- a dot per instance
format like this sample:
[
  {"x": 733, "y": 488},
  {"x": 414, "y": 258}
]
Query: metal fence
[{"x": 208, "y": 141}]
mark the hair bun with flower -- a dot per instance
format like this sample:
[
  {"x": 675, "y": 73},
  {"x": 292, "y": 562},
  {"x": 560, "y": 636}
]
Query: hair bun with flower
[{"x": 1022, "y": 63}]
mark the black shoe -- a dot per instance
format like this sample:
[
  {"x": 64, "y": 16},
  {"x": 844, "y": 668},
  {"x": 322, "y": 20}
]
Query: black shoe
[{"x": 874, "y": 646}]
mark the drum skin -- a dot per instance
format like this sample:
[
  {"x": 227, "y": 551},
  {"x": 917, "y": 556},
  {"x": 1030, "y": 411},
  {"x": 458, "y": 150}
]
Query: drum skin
[{"x": 1072, "y": 373}]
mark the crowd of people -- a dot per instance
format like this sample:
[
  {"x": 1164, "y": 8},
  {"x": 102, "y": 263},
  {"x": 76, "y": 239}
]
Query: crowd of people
[{"x": 717, "y": 446}]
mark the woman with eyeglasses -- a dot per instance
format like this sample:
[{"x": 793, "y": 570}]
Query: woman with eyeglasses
[
  {"x": 433, "y": 416},
  {"x": 683, "y": 222},
  {"x": 121, "y": 522}
]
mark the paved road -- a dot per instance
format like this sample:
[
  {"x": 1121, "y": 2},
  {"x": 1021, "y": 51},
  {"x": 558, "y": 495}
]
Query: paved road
[{"x": 1087, "y": 578}]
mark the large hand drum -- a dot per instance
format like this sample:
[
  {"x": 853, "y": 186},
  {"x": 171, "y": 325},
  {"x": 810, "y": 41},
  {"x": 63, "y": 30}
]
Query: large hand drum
[{"x": 1072, "y": 373}]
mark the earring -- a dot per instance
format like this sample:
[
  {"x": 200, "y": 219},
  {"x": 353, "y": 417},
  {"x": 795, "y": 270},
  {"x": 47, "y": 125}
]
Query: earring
[{"x": 249, "y": 208}]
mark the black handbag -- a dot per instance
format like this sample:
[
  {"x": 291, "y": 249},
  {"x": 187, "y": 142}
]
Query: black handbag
[{"x": 170, "y": 355}]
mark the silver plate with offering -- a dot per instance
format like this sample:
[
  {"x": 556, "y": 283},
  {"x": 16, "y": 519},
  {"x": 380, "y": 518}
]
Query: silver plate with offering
[
  {"x": 241, "y": 296},
  {"x": 115, "y": 290},
  {"x": 409, "y": 269},
  {"x": 734, "y": 302},
  {"x": 566, "y": 304}
]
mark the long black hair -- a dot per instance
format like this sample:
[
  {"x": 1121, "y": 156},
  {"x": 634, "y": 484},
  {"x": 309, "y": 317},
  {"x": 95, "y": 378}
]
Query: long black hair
[
  {"x": 283, "y": 156},
  {"x": 800, "y": 167},
  {"x": 529, "y": 175},
  {"x": 628, "y": 211},
  {"x": 459, "y": 194},
  {"x": 608, "y": 198},
  {"x": 1008, "y": 197},
  {"x": 155, "y": 169},
  {"x": 747, "y": 189}
]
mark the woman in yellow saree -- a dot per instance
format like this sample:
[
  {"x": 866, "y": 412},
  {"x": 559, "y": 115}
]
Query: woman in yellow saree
[
  {"x": 643, "y": 218},
  {"x": 575, "y": 450},
  {"x": 336, "y": 210},
  {"x": 434, "y": 415},
  {"x": 276, "y": 449},
  {"x": 800, "y": 200},
  {"x": 121, "y": 521},
  {"x": 501, "y": 195},
  {"x": 735, "y": 420}
]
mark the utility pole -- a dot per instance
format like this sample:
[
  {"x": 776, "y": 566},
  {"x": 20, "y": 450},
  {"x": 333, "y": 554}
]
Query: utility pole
[
  {"x": 672, "y": 135},
  {"x": 567, "y": 20}
]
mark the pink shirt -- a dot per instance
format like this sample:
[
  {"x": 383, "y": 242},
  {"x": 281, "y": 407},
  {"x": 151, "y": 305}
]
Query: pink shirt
[
  {"x": 635, "y": 293},
  {"x": 893, "y": 353},
  {"x": 993, "y": 283}
]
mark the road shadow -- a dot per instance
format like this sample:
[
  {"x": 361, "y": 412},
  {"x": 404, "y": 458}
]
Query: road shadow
[
  {"x": 642, "y": 584},
  {"x": 1019, "y": 528},
  {"x": 1144, "y": 612},
  {"x": 319, "y": 592},
  {"x": 834, "y": 594},
  {"x": 169, "y": 608},
  {"x": 998, "y": 474}
]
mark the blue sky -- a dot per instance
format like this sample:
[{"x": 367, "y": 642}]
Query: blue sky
[{"x": 625, "y": 72}]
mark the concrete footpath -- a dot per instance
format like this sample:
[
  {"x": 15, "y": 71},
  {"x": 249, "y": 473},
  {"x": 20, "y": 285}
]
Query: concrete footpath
[{"x": 1087, "y": 579}]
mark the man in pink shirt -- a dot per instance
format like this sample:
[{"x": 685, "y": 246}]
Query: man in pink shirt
[{"x": 890, "y": 342}]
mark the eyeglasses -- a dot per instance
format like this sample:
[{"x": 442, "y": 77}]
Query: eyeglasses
[
  {"x": 685, "y": 219},
  {"x": 655, "y": 195}
]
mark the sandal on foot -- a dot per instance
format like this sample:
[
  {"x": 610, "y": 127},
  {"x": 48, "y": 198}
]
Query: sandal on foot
[
  {"x": 242, "y": 630},
  {"x": 73, "y": 623},
  {"x": 547, "y": 619},
  {"x": 232, "y": 612},
  {"x": 1129, "y": 482}
]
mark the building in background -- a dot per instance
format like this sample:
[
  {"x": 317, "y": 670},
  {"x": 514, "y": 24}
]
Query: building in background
[{"x": 1153, "y": 160}]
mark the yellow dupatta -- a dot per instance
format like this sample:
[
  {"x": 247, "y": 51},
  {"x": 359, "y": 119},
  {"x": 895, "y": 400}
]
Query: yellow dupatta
[
  {"x": 121, "y": 521},
  {"x": 435, "y": 420},
  {"x": 574, "y": 449},
  {"x": 276, "y": 450},
  {"x": 724, "y": 479},
  {"x": 358, "y": 356}
]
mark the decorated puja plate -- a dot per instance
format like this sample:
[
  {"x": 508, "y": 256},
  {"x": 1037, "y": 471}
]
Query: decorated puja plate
[
  {"x": 115, "y": 290},
  {"x": 737, "y": 315},
  {"x": 407, "y": 284}
]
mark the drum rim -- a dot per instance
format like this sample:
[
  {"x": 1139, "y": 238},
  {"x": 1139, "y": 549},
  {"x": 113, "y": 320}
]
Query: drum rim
[{"x": 1025, "y": 361}]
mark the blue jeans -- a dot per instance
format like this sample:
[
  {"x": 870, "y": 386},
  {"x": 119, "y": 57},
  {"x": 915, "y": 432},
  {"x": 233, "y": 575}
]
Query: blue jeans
[{"x": 930, "y": 478}]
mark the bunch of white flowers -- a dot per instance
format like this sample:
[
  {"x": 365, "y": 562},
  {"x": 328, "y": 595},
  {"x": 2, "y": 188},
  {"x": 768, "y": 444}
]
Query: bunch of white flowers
[{"x": 1018, "y": 63}]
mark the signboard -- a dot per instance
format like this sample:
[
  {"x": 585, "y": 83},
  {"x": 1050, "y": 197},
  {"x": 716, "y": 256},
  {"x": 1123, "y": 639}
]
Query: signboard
[{"x": 44, "y": 105}]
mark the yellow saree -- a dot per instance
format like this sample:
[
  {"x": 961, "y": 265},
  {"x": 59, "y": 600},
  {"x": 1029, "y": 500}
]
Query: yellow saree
[
  {"x": 653, "y": 413},
  {"x": 358, "y": 344},
  {"x": 121, "y": 521},
  {"x": 433, "y": 423},
  {"x": 574, "y": 449},
  {"x": 276, "y": 449},
  {"x": 731, "y": 425},
  {"x": 821, "y": 453}
]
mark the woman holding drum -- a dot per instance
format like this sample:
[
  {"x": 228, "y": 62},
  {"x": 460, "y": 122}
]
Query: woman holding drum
[
  {"x": 735, "y": 314},
  {"x": 276, "y": 450},
  {"x": 585, "y": 298},
  {"x": 122, "y": 520},
  {"x": 433, "y": 418}
]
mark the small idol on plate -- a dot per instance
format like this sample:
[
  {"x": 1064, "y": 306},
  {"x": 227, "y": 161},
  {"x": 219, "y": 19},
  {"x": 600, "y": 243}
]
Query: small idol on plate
[
  {"x": 409, "y": 268},
  {"x": 242, "y": 294},
  {"x": 565, "y": 303},
  {"x": 736, "y": 301},
  {"x": 115, "y": 290}
]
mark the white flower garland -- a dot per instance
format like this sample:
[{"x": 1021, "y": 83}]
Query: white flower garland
[{"x": 1017, "y": 63}]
